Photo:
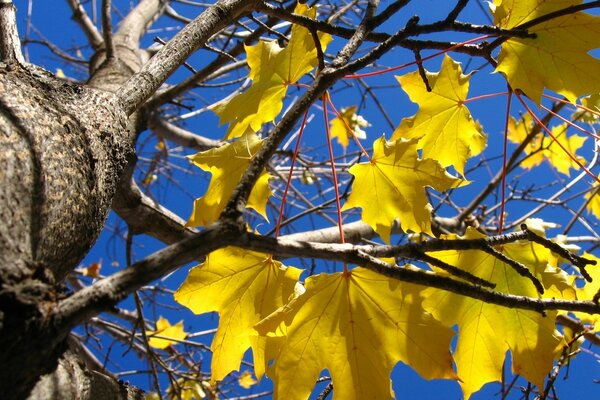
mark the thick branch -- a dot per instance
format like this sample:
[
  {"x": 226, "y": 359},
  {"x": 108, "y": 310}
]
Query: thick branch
[
  {"x": 107, "y": 29},
  {"x": 106, "y": 293},
  {"x": 10, "y": 45},
  {"x": 145, "y": 83},
  {"x": 135, "y": 24}
]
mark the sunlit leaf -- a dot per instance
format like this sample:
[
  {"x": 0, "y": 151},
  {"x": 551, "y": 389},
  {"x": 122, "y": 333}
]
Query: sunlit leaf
[
  {"x": 227, "y": 164},
  {"x": 357, "y": 326},
  {"x": 348, "y": 119},
  {"x": 243, "y": 287},
  {"x": 557, "y": 152},
  {"x": 443, "y": 124},
  {"x": 272, "y": 70},
  {"x": 558, "y": 57},
  {"x": 392, "y": 186},
  {"x": 166, "y": 331},
  {"x": 487, "y": 331}
]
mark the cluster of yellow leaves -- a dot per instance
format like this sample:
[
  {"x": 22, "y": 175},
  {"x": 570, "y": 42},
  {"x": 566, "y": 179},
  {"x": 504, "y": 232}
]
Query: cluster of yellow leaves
[
  {"x": 272, "y": 70},
  {"x": 487, "y": 331},
  {"x": 165, "y": 334},
  {"x": 359, "y": 324},
  {"x": 557, "y": 58},
  {"x": 543, "y": 147}
]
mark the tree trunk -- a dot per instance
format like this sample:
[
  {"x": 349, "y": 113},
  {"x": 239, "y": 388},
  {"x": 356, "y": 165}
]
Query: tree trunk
[{"x": 63, "y": 148}]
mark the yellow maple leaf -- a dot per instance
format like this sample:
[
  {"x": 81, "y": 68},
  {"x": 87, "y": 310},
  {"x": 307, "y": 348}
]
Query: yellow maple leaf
[
  {"x": 443, "y": 124},
  {"x": 487, "y": 331},
  {"x": 554, "y": 58},
  {"x": 246, "y": 380},
  {"x": 188, "y": 389},
  {"x": 272, "y": 69},
  {"x": 227, "y": 165},
  {"x": 588, "y": 291},
  {"x": 546, "y": 148},
  {"x": 243, "y": 287},
  {"x": 166, "y": 331},
  {"x": 392, "y": 186},
  {"x": 348, "y": 119},
  {"x": 593, "y": 205},
  {"x": 357, "y": 326},
  {"x": 518, "y": 130},
  {"x": 591, "y": 103}
]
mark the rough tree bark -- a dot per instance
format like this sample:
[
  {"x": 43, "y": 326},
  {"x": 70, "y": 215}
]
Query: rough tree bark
[{"x": 63, "y": 150}]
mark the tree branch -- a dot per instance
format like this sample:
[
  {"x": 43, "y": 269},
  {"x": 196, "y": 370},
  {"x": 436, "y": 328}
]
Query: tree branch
[
  {"x": 143, "y": 84},
  {"x": 87, "y": 26},
  {"x": 107, "y": 29},
  {"x": 135, "y": 24},
  {"x": 10, "y": 45}
]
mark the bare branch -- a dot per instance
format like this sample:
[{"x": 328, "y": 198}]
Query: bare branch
[
  {"x": 89, "y": 29},
  {"x": 135, "y": 24},
  {"x": 144, "y": 83},
  {"x": 107, "y": 29},
  {"x": 10, "y": 45},
  {"x": 183, "y": 137}
]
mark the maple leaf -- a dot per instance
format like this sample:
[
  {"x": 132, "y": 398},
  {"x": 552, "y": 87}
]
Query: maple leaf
[
  {"x": 246, "y": 380},
  {"x": 557, "y": 58},
  {"x": 348, "y": 119},
  {"x": 392, "y": 185},
  {"x": 357, "y": 325},
  {"x": 443, "y": 124},
  {"x": 588, "y": 291},
  {"x": 227, "y": 164},
  {"x": 166, "y": 331},
  {"x": 93, "y": 270},
  {"x": 591, "y": 103},
  {"x": 593, "y": 204},
  {"x": 186, "y": 389},
  {"x": 487, "y": 331},
  {"x": 243, "y": 287},
  {"x": 546, "y": 148},
  {"x": 272, "y": 69}
]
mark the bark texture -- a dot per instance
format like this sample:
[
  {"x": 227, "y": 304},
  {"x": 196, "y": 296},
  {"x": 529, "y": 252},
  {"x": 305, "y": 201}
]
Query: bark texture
[{"x": 62, "y": 150}]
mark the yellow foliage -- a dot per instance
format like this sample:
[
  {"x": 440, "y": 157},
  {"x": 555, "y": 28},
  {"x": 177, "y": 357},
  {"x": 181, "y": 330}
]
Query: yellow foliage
[
  {"x": 349, "y": 119},
  {"x": 443, "y": 124},
  {"x": 227, "y": 164},
  {"x": 357, "y": 326},
  {"x": 272, "y": 69},
  {"x": 392, "y": 186},
  {"x": 557, "y": 58},
  {"x": 544, "y": 147},
  {"x": 588, "y": 291},
  {"x": 488, "y": 331},
  {"x": 246, "y": 380},
  {"x": 166, "y": 331},
  {"x": 243, "y": 287}
]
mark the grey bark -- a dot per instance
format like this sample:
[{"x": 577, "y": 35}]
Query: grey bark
[
  {"x": 63, "y": 151},
  {"x": 63, "y": 148}
]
